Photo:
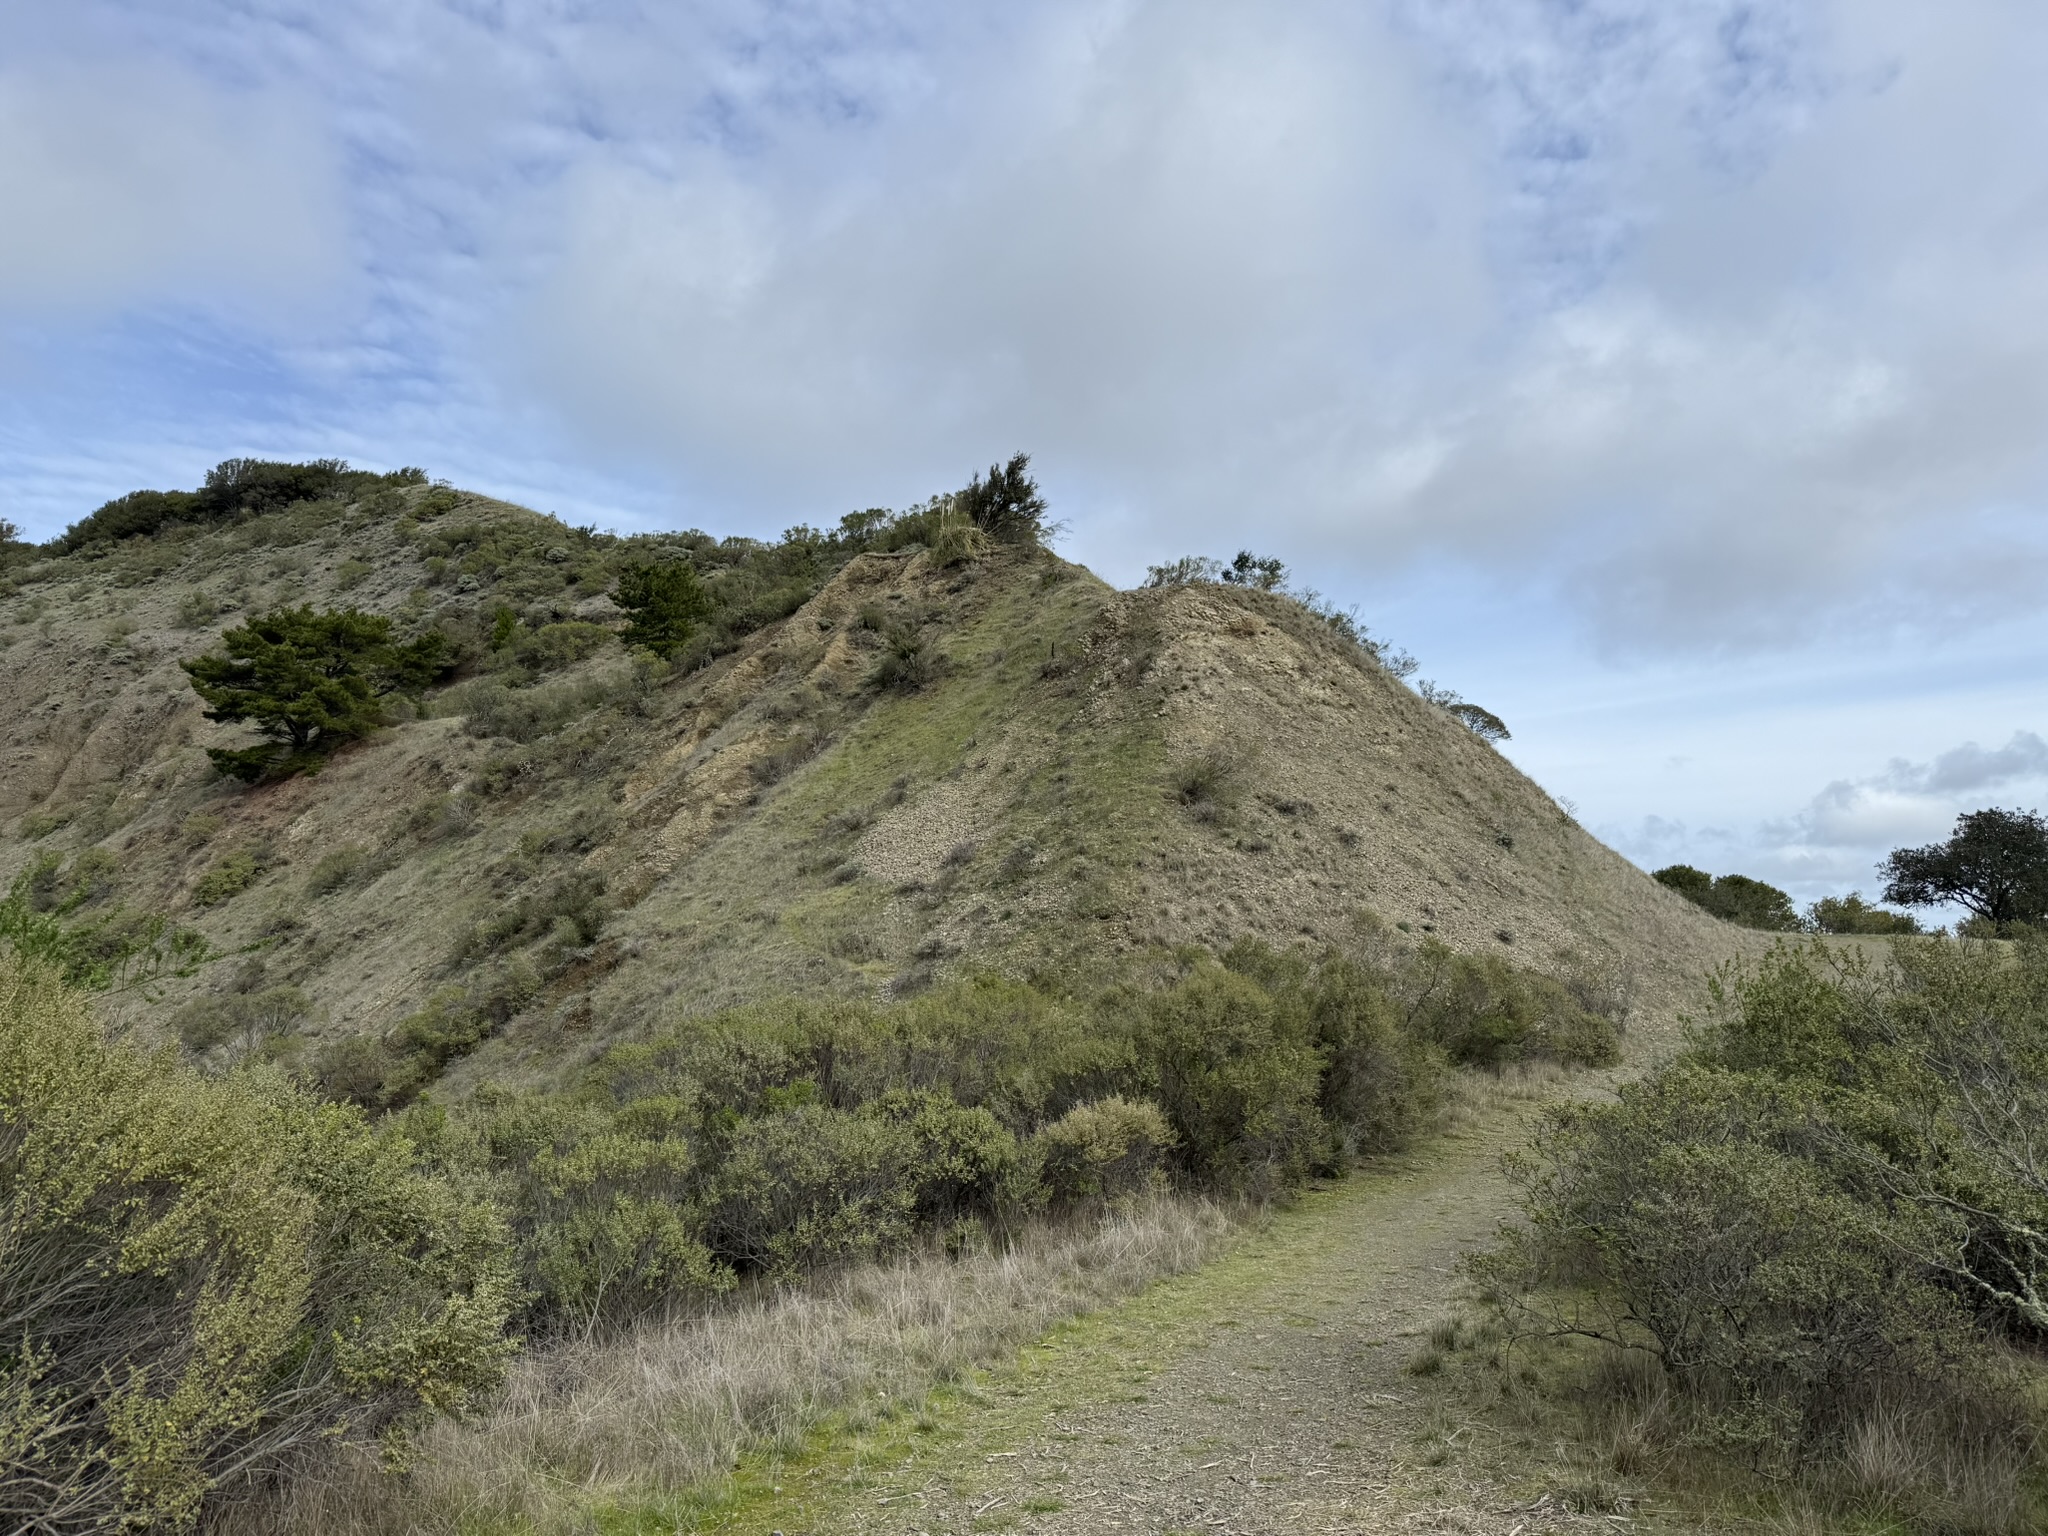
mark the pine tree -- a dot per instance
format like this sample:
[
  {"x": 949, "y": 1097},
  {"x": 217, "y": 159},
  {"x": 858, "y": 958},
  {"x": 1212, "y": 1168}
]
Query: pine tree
[{"x": 309, "y": 681}]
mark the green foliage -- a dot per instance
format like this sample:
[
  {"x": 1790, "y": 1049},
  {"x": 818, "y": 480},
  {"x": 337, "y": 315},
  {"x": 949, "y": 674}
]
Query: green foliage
[
  {"x": 227, "y": 879},
  {"x": 207, "y": 1278},
  {"x": 46, "y": 919},
  {"x": 1995, "y": 865},
  {"x": 1237, "y": 1078},
  {"x": 667, "y": 603},
  {"x": 1733, "y": 898},
  {"x": 234, "y": 489},
  {"x": 248, "y": 1021},
  {"x": 553, "y": 646},
  {"x": 1828, "y": 1207},
  {"x": 907, "y": 662},
  {"x": 1006, "y": 504},
  {"x": 336, "y": 870},
  {"x": 1109, "y": 1150},
  {"x": 1484, "y": 1012},
  {"x": 309, "y": 681},
  {"x": 779, "y": 1138},
  {"x": 1249, "y": 570},
  {"x": 1852, "y": 914}
]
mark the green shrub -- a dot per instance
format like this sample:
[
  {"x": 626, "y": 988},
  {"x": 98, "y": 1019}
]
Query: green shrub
[
  {"x": 1006, "y": 505},
  {"x": 1826, "y": 1208},
  {"x": 554, "y": 646},
  {"x": 668, "y": 603},
  {"x": 1484, "y": 1012},
  {"x": 1852, "y": 914},
  {"x": 206, "y": 1278},
  {"x": 1109, "y": 1150},
  {"x": 227, "y": 879},
  {"x": 342, "y": 867},
  {"x": 1383, "y": 1082},
  {"x": 812, "y": 1188},
  {"x": 603, "y": 1203},
  {"x": 249, "y": 1019},
  {"x": 1237, "y": 1078},
  {"x": 1733, "y": 898}
]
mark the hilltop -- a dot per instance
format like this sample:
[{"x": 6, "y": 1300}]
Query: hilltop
[{"x": 889, "y": 770}]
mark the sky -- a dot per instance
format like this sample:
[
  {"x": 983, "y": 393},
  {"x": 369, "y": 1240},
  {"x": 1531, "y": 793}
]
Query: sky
[{"x": 1669, "y": 377}]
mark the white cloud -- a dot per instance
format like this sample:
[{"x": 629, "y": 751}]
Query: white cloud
[
  {"x": 127, "y": 185},
  {"x": 1734, "y": 330}
]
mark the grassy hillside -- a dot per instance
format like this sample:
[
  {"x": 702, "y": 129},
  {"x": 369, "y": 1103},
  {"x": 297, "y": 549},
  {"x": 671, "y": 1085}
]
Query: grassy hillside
[{"x": 921, "y": 769}]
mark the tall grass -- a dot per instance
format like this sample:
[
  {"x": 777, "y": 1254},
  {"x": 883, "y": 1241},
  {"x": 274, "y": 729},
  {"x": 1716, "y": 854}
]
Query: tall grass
[{"x": 668, "y": 1405}]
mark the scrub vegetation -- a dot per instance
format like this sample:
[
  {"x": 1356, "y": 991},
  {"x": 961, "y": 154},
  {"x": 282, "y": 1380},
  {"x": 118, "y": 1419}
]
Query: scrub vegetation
[{"x": 1801, "y": 1268}]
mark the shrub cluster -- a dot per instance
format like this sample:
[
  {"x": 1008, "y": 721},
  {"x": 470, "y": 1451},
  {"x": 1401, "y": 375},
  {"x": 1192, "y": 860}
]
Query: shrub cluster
[
  {"x": 785, "y": 1137},
  {"x": 234, "y": 489},
  {"x": 206, "y": 1278},
  {"x": 1830, "y": 1207}
]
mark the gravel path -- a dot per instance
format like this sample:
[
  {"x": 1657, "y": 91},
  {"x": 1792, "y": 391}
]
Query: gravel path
[{"x": 1263, "y": 1394}]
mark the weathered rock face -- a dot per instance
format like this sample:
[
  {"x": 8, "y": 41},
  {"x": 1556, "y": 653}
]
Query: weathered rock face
[{"x": 1002, "y": 764}]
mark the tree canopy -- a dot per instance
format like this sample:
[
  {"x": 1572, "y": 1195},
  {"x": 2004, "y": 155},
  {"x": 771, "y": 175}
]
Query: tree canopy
[
  {"x": 1734, "y": 898},
  {"x": 667, "y": 603},
  {"x": 1006, "y": 505},
  {"x": 1995, "y": 865},
  {"x": 309, "y": 681}
]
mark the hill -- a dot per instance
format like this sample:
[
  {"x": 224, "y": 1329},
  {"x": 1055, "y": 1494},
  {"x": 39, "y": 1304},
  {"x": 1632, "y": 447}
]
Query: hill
[{"x": 887, "y": 770}]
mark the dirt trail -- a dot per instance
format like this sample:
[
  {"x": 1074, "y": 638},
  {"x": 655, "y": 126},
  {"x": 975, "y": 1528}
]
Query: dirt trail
[{"x": 1263, "y": 1394}]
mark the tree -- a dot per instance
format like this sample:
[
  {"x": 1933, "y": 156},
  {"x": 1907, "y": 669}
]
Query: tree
[
  {"x": 1852, "y": 914},
  {"x": 1006, "y": 506},
  {"x": 1249, "y": 570},
  {"x": 668, "y": 602},
  {"x": 309, "y": 681},
  {"x": 1483, "y": 723},
  {"x": 1995, "y": 864},
  {"x": 1733, "y": 898}
]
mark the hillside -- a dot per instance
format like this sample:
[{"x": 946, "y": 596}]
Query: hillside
[{"x": 572, "y": 844}]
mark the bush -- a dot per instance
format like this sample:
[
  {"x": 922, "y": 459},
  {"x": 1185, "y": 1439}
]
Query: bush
[
  {"x": 1826, "y": 1208},
  {"x": 553, "y": 646},
  {"x": 810, "y": 1188},
  {"x": 1483, "y": 1012},
  {"x": 247, "y": 1019},
  {"x": 206, "y": 1278},
  {"x": 1852, "y": 914},
  {"x": 338, "y": 869},
  {"x": 667, "y": 603},
  {"x": 1237, "y": 1078},
  {"x": 603, "y": 1203},
  {"x": 1109, "y": 1150},
  {"x": 234, "y": 489},
  {"x": 1732, "y": 898},
  {"x": 1006, "y": 506},
  {"x": 227, "y": 879}
]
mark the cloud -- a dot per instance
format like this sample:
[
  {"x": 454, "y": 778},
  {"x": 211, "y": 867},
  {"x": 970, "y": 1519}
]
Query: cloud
[
  {"x": 1728, "y": 326},
  {"x": 127, "y": 184},
  {"x": 1969, "y": 768},
  {"x": 1723, "y": 326},
  {"x": 1147, "y": 241}
]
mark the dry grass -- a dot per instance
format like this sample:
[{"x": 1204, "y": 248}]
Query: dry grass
[{"x": 669, "y": 1407}]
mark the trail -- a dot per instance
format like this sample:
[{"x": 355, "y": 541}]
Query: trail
[{"x": 1265, "y": 1393}]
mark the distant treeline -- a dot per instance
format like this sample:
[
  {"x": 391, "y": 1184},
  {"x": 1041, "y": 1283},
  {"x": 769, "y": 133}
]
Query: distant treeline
[{"x": 1994, "y": 865}]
